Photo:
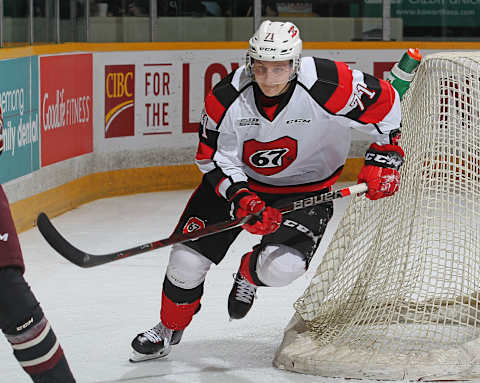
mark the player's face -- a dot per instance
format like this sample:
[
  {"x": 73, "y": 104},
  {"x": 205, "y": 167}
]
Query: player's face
[{"x": 272, "y": 76}]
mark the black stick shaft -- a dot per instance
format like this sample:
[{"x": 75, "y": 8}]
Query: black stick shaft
[{"x": 85, "y": 260}]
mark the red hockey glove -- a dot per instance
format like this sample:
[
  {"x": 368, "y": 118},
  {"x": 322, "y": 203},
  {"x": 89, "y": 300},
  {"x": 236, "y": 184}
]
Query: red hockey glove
[
  {"x": 268, "y": 219},
  {"x": 380, "y": 170}
]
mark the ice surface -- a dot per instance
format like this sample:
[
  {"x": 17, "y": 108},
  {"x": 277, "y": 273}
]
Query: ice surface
[{"x": 97, "y": 312}]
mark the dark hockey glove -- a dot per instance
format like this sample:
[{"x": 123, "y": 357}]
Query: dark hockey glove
[
  {"x": 380, "y": 170},
  {"x": 267, "y": 219}
]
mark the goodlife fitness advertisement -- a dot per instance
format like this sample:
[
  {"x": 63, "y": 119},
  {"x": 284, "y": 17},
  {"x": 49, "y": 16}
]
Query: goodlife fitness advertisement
[
  {"x": 155, "y": 98},
  {"x": 66, "y": 102}
]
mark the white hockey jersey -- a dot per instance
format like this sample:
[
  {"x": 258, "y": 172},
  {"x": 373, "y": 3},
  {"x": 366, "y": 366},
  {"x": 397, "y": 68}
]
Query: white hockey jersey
[{"x": 305, "y": 146}]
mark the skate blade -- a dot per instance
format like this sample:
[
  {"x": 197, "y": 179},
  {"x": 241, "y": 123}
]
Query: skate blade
[{"x": 137, "y": 357}]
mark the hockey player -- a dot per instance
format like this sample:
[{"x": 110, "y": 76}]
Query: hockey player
[
  {"x": 274, "y": 130},
  {"x": 22, "y": 320}
]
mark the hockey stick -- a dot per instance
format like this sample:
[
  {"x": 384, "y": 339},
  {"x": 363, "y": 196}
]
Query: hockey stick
[{"x": 85, "y": 260}]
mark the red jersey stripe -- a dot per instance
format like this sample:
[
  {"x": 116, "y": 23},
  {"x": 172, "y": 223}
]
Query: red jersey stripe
[
  {"x": 293, "y": 189},
  {"x": 214, "y": 108},
  {"x": 204, "y": 152},
  {"x": 342, "y": 93},
  {"x": 377, "y": 111}
]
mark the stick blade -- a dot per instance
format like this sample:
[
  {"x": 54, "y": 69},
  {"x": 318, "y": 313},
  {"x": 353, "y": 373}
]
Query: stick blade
[{"x": 60, "y": 244}]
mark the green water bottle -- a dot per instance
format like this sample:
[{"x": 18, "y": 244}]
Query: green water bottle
[{"x": 403, "y": 72}]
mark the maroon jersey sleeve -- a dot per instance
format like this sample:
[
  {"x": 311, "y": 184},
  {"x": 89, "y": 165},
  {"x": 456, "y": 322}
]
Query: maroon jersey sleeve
[
  {"x": 10, "y": 252},
  {"x": 1, "y": 131}
]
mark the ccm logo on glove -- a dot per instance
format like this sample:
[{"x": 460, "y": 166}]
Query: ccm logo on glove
[{"x": 390, "y": 161}]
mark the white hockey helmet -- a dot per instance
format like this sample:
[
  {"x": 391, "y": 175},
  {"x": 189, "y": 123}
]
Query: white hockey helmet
[{"x": 275, "y": 41}]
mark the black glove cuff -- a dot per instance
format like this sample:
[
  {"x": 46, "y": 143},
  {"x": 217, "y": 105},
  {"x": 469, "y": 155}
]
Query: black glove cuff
[
  {"x": 234, "y": 188},
  {"x": 235, "y": 199},
  {"x": 383, "y": 159}
]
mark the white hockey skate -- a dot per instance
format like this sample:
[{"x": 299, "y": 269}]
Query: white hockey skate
[{"x": 154, "y": 343}]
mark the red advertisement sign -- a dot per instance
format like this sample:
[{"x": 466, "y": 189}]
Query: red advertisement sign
[
  {"x": 212, "y": 70},
  {"x": 119, "y": 100},
  {"x": 66, "y": 106},
  {"x": 380, "y": 67}
]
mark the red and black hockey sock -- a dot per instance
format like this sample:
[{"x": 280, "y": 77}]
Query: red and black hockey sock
[
  {"x": 179, "y": 305},
  {"x": 248, "y": 267},
  {"x": 22, "y": 321}
]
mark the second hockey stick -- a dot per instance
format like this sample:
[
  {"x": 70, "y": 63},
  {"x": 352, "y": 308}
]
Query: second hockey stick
[{"x": 85, "y": 260}]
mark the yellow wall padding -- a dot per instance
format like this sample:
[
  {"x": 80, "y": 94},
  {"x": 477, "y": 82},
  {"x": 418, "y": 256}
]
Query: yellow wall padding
[{"x": 103, "y": 185}]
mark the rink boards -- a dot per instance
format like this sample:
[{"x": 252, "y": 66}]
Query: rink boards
[{"x": 87, "y": 121}]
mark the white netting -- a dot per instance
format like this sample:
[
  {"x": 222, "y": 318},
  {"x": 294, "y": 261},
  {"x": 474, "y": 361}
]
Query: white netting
[{"x": 397, "y": 293}]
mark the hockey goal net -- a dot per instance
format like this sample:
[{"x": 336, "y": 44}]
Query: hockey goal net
[{"x": 396, "y": 295}]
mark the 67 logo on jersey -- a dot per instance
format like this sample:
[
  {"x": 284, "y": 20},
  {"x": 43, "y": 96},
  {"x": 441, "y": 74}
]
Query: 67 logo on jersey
[
  {"x": 270, "y": 158},
  {"x": 193, "y": 224}
]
